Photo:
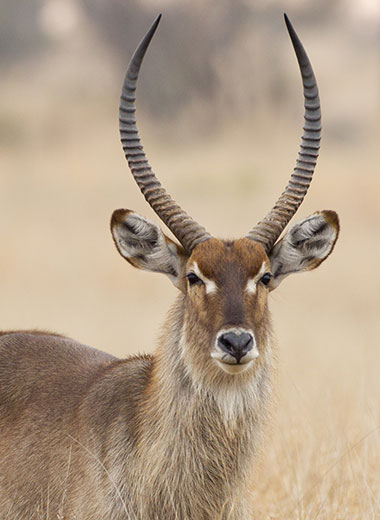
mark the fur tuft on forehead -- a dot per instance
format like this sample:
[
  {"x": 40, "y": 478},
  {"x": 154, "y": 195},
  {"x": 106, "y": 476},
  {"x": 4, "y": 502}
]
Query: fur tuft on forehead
[{"x": 215, "y": 257}]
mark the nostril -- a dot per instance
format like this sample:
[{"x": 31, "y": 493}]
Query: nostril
[
  {"x": 245, "y": 342},
  {"x": 228, "y": 341}
]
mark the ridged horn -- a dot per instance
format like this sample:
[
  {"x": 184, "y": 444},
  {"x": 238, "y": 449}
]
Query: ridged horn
[
  {"x": 187, "y": 231},
  {"x": 270, "y": 228}
]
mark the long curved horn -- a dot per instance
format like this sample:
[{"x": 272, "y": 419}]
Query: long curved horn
[
  {"x": 188, "y": 232},
  {"x": 270, "y": 228}
]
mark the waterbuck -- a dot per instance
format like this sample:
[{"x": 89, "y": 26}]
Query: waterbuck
[{"x": 173, "y": 435}]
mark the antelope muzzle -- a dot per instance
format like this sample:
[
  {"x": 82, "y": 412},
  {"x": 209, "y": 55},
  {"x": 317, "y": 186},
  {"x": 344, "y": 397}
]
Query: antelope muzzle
[{"x": 235, "y": 349}]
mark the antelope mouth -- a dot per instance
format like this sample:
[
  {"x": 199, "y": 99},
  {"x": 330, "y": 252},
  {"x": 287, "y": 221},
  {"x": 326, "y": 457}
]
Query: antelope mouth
[
  {"x": 234, "y": 368},
  {"x": 230, "y": 364}
]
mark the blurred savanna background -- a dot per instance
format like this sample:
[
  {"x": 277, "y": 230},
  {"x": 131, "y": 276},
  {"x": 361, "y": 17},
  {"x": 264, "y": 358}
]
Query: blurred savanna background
[{"x": 220, "y": 113}]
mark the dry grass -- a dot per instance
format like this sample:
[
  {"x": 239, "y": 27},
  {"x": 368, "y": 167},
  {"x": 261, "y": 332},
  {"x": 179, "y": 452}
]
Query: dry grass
[
  {"x": 323, "y": 458},
  {"x": 59, "y": 271}
]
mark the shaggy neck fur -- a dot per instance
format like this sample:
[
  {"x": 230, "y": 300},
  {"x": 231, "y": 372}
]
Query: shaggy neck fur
[{"x": 196, "y": 441}]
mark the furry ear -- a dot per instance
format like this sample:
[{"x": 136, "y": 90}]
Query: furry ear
[
  {"x": 144, "y": 245},
  {"x": 305, "y": 246}
]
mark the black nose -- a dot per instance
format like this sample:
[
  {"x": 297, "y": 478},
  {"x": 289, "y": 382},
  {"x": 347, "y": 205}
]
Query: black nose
[{"x": 236, "y": 345}]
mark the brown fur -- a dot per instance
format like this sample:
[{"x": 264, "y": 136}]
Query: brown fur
[{"x": 86, "y": 436}]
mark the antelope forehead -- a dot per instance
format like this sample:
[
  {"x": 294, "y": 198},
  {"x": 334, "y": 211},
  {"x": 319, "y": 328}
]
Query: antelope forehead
[{"x": 250, "y": 283}]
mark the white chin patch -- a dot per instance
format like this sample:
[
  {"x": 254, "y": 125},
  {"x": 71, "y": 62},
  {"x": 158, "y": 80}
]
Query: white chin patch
[{"x": 234, "y": 369}]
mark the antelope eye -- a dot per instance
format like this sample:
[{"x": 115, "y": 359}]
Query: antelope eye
[
  {"x": 266, "y": 278},
  {"x": 194, "y": 279}
]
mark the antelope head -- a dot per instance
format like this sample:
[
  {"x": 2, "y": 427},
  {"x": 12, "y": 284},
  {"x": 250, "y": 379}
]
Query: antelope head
[{"x": 225, "y": 283}]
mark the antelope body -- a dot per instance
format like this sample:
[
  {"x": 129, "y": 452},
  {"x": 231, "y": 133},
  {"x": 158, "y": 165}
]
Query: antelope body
[{"x": 86, "y": 436}]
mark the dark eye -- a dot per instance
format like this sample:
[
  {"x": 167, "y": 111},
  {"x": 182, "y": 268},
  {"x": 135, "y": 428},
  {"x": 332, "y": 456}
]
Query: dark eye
[
  {"x": 194, "y": 279},
  {"x": 266, "y": 278}
]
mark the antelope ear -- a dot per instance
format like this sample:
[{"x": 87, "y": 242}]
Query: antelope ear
[
  {"x": 144, "y": 245},
  {"x": 305, "y": 246}
]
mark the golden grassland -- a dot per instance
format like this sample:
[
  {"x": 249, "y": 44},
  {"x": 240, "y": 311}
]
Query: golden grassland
[{"x": 60, "y": 271}]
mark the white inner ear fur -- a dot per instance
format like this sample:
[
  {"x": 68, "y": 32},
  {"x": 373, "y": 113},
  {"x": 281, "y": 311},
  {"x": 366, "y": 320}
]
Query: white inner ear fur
[
  {"x": 305, "y": 245},
  {"x": 144, "y": 244},
  {"x": 209, "y": 284}
]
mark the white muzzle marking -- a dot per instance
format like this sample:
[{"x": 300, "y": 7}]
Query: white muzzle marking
[{"x": 228, "y": 362}]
